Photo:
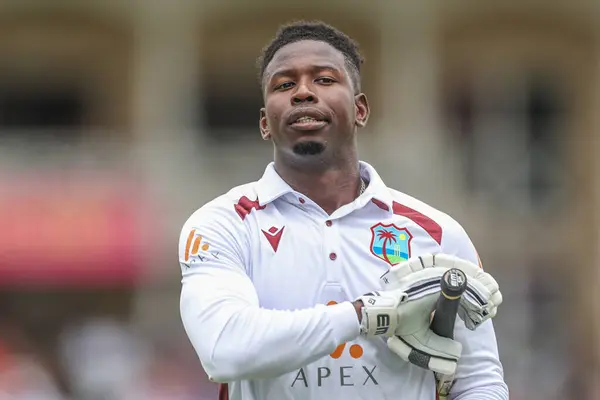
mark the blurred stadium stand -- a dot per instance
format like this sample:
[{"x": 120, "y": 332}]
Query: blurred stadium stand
[{"x": 120, "y": 118}]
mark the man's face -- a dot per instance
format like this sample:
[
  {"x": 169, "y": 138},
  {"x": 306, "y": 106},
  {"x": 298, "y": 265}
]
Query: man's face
[{"x": 311, "y": 111}]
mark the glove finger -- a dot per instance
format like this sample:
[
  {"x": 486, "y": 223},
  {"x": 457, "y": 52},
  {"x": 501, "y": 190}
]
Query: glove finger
[
  {"x": 396, "y": 273},
  {"x": 470, "y": 269},
  {"x": 445, "y": 260},
  {"x": 479, "y": 299},
  {"x": 494, "y": 302},
  {"x": 464, "y": 316},
  {"x": 471, "y": 320},
  {"x": 482, "y": 289},
  {"x": 479, "y": 292},
  {"x": 442, "y": 261},
  {"x": 475, "y": 310},
  {"x": 477, "y": 315},
  {"x": 496, "y": 299},
  {"x": 488, "y": 281},
  {"x": 427, "y": 260},
  {"x": 419, "y": 283}
]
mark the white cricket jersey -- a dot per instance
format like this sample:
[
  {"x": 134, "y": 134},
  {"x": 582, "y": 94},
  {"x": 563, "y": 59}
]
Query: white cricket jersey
[{"x": 268, "y": 278}]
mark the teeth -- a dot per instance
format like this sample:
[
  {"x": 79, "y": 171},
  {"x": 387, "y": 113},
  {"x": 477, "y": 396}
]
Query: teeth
[{"x": 306, "y": 119}]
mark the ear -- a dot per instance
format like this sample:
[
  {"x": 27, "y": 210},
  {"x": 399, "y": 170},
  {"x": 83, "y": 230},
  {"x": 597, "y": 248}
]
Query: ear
[
  {"x": 362, "y": 110},
  {"x": 263, "y": 125}
]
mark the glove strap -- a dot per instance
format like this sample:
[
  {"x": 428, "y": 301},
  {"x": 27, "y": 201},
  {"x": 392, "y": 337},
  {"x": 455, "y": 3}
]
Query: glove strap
[{"x": 379, "y": 315}]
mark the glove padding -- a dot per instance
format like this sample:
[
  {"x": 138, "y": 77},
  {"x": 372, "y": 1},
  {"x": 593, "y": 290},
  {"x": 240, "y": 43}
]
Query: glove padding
[
  {"x": 404, "y": 315},
  {"x": 427, "y": 350},
  {"x": 479, "y": 302}
]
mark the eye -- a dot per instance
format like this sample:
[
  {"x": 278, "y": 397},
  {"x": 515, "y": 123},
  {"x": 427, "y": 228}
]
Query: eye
[
  {"x": 325, "y": 80},
  {"x": 284, "y": 86}
]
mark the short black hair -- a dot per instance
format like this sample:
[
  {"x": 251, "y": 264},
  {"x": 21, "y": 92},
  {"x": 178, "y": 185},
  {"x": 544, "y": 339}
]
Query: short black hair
[{"x": 319, "y": 31}]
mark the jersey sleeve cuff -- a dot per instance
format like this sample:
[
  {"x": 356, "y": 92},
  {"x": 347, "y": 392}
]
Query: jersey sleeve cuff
[{"x": 344, "y": 320}]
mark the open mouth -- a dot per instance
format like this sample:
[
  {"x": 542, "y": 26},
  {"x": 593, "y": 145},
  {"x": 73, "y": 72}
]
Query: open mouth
[{"x": 307, "y": 122}]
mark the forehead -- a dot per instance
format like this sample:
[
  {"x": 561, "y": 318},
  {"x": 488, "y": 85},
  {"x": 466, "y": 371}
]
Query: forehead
[{"x": 306, "y": 53}]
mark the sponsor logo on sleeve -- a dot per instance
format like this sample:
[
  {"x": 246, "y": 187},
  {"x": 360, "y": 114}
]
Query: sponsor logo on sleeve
[{"x": 197, "y": 248}]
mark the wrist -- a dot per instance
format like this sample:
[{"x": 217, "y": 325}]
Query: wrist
[
  {"x": 358, "y": 305},
  {"x": 377, "y": 313}
]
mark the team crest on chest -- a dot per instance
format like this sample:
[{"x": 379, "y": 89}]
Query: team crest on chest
[{"x": 390, "y": 243}]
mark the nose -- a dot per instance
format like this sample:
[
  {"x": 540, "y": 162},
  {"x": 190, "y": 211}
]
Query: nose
[{"x": 304, "y": 94}]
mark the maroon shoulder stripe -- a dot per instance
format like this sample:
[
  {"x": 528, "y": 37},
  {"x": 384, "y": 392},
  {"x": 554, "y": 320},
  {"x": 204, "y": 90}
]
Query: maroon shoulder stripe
[
  {"x": 431, "y": 227},
  {"x": 223, "y": 392}
]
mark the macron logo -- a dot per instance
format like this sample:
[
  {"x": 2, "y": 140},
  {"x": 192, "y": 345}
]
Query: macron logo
[{"x": 273, "y": 236}]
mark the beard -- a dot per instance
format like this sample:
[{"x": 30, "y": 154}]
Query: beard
[{"x": 308, "y": 148}]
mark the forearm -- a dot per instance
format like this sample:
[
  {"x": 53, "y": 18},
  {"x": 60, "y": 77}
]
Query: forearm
[
  {"x": 252, "y": 343},
  {"x": 480, "y": 374},
  {"x": 498, "y": 391}
]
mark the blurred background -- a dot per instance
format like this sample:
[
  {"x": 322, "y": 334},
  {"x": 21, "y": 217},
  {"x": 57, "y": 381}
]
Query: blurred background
[{"x": 119, "y": 118}]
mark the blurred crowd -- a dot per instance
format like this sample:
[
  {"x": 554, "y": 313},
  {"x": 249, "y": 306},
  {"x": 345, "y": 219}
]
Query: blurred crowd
[{"x": 99, "y": 359}]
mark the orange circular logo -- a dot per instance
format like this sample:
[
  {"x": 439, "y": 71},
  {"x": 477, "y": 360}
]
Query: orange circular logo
[{"x": 356, "y": 351}]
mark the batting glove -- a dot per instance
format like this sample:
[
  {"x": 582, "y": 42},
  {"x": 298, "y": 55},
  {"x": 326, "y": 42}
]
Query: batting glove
[
  {"x": 403, "y": 315},
  {"x": 480, "y": 301}
]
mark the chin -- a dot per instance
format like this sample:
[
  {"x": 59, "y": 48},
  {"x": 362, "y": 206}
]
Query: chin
[{"x": 309, "y": 148}]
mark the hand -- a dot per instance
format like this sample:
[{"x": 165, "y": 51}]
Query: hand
[
  {"x": 412, "y": 289},
  {"x": 481, "y": 299},
  {"x": 403, "y": 314}
]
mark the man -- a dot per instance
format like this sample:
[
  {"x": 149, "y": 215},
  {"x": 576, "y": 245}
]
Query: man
[{"x": 318, "y": 281}]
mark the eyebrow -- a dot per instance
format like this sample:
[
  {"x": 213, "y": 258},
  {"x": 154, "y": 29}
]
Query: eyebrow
[{"x": 291, "y": 71}]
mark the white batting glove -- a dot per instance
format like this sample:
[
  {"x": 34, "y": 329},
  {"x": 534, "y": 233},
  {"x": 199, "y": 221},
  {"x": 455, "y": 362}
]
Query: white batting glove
[
  {"x": 404, "y": 314},
  {"x": 479, "y": 302}
]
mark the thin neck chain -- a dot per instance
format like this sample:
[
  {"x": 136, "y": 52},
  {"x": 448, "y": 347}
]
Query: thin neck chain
[{"x": 363, "y": 187}]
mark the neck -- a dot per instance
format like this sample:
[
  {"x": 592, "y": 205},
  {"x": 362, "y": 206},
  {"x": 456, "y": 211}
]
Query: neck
[{"x": 330, "y": 188}]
